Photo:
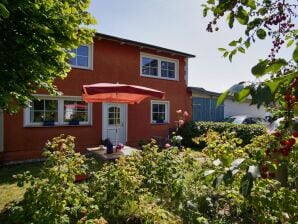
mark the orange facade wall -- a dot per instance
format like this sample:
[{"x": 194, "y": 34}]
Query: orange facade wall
[{"x": 113, "y": 62}]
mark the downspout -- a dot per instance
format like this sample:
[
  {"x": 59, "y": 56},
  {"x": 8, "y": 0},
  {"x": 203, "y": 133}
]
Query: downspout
[{"x": 186, "y": 71}]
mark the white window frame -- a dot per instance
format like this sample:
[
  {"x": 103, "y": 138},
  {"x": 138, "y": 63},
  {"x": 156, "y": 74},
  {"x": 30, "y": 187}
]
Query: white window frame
[
  {"x": 159, "y": 59},
  {"x": 61, "y": 122},
  {"x": 90, "y": 58},
  {"x": 167, "y": 111}
]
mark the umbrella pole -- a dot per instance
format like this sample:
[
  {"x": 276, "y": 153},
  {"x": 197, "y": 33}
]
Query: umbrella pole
[{"x": 117, "y": 117}]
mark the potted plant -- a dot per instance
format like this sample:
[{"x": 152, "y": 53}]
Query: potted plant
[
  {"x": 74, "y": 122},
  {"x": 48, "y": 123}
]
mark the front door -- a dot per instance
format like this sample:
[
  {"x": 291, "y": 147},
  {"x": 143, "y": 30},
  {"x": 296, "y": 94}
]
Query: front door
[{"x": 115, "y": 122}]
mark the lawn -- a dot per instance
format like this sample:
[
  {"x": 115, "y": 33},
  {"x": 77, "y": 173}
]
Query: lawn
[{"x": 9, "y": 191}]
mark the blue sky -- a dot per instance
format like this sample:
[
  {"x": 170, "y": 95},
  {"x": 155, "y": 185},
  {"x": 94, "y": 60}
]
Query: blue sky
[{"x": 179, "y": 25}]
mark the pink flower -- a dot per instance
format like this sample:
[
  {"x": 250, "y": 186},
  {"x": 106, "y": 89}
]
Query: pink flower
[
  {"x": 167, "y": 145},
  {"x": 185, "y": 114},
  {"x": 178, "y": 111},
  {"x": 180, "y": 123}
]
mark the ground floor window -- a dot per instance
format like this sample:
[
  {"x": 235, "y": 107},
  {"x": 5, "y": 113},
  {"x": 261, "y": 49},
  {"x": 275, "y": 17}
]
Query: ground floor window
[
  {"x": 49, "y": 111},
  {"x": 159, "y": 112}
]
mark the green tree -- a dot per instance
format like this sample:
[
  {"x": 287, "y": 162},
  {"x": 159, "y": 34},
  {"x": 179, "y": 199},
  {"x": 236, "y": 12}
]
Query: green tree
[
  {"x": 262, "y": 19},
  {"x": 36, "y": 37},
  {"x": 265, "y": 19}
]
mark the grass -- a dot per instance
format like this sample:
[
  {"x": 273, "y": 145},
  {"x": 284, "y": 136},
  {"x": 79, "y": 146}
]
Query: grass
[{"x": 9, "y": 191}]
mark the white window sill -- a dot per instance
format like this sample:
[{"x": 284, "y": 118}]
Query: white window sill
[
  {"x": 81, "y": 67},
  {"x": 159, "y": 123},
  {"x": 55, "y": 126},
  {"x": 158, "y": 77}
]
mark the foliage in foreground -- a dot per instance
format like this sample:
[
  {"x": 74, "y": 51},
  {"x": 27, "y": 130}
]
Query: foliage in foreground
[{"x": 161, "y": 187}]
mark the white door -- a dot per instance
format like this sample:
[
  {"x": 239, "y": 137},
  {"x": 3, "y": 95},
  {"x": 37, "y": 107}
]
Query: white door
[{"x": 115, "y": 122}]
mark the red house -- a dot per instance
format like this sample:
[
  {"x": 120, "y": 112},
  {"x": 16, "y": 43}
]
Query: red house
[{"x": 109, "y": 59}]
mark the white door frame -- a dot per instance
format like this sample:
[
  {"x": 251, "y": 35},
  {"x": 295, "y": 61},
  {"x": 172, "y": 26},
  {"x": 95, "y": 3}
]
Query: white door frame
[
  {"x": 1, "y": 131},
  {"x": 105, "y": 123}
]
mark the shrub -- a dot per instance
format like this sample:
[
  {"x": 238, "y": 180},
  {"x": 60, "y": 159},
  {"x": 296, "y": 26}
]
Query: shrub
[
  {"x": 193, "y": 129},
  {"x": 54, "y": 197}
]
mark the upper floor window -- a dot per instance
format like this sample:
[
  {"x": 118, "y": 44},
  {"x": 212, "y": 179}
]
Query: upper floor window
[
  {"x": 50, "y": 111},
  {"x": 83, "y": 58},
  {"x": 159, "y": 67}
]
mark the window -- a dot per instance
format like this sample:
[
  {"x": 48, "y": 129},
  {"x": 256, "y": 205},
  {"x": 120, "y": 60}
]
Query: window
[
  {"x": 75, "y": 111},
  {"x": 114, "y": 116},
  {"x": 44, "y": 111},
  {"x": 159, "y": 112},
  {"x": 159, "y": 67},
  {"x": 83, "y": 58},
  {"x": 49, "y": 111}
]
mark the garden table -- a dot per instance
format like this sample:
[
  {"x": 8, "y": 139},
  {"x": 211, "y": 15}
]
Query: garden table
[{"x": 101, "y": 152}]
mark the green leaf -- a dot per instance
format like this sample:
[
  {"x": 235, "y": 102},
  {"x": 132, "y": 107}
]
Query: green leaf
[
  {"x": 261, "y": 34},
  {"x": 290, "y": 43},
  {"x": 262, "y": 11},
  {"x": 205, "y": 12},
  {"x": 242, "y": 16},
  {"x": 232, "y": 54},
  {"x": 251, "y": 4},
  {"x": 231, "y": 19},
  {"x": 275, "y": 66},
  {"x": 212, "y": 2},
  {"x": 241, "y": 49},
  {"x": 217, "y": 181},
  {"x": 226, "y": 160},
  {"x": 273, "y": 85},
  {"x": 247, "y": 44},
  {"x": 233, "y": 43},
  {"x": 242, "y": 94},
  {"x": 252, "y": 25},
  {"x": 261, "y": 95},
  {"x": 295, "y": 54},
  {"x": 222, "y": 49},
  {"x": 226, "y": 54},
  {"x": 222, "y": 97},
  {"x": 260, "y": 69},
  {"x": 246, "y": 184},
  {"x": 3, "y": 11}
]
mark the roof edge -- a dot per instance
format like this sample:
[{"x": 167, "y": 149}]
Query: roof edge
[{"x": 149, "y": 46}]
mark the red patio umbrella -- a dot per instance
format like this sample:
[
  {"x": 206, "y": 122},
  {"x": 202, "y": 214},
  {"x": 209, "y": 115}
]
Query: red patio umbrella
[{"x": 119, "y": 93}]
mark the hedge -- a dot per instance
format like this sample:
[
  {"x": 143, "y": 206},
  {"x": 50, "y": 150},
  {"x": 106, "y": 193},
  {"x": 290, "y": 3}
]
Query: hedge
[{"x": 193, "y": 129}]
